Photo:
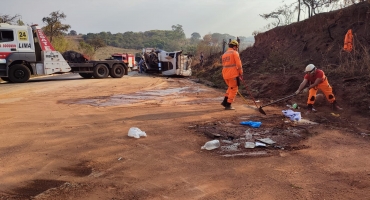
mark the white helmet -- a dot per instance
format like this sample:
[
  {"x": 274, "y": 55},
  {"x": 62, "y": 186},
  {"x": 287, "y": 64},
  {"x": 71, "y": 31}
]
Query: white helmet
[{"x": 310, "y": 68}]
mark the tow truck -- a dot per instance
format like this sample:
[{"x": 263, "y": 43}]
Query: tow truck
[{"x": 26, "y": 51}]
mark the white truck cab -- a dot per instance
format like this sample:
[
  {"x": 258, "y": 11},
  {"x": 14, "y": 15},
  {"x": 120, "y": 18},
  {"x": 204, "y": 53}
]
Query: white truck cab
[{"x": 26, "y": 50}]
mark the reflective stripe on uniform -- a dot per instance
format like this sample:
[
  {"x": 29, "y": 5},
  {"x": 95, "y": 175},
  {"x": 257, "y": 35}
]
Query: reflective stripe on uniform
[{"x": 228, "y": 66}]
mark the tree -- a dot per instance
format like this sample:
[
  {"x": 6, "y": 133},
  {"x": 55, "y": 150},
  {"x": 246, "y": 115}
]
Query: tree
[
  {"x": 20, "y": 22},
  {"x": 9, "y": 19},
  {"x": 195, "y": 36},
  {"x": 96, "y": 42},
  {"x": 54, "y": 27},
  {"x": 72, "y": 32},
  {"x": 274, "y": 15}
]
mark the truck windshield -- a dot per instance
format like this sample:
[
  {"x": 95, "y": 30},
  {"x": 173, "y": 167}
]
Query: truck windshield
[{"x": 117, "y": 57}]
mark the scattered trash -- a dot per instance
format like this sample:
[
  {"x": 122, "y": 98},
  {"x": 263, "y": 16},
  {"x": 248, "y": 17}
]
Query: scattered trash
[
  {"x": 259, "y": 101},
  {"x": 233, "y": 147},
  {"x": 294, "y": 106},
  {"x": 335, "y": 115},
  {"x": 136, "y": 132},
  {"x": 249, "y": 145},
  {"x": 267, "y": 141},
  {"x": 260, "y": 144},
  {"x": 294, "y": 116},
  {"x": 248, "y": 135},
  {"x": 247, "y": 154},
  {"x": 364, "y": 134},
  {"x": 227, "y": 141},
  {"x": 210, "y": 145},
  {"x": 120, "y": 158},
  {"x": 307, "y": 122},
  {"x": 252, "y": 124}
]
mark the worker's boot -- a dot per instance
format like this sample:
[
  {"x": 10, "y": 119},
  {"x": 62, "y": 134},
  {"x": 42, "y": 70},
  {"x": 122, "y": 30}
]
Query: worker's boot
[
  {"x": 310, "y": 108},
  {"x": 228, "y": 106},
  {"x": 335, "y": 106},
  {"x": 224, "y": 103}
]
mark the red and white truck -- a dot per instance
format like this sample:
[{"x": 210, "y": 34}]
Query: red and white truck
[
  {"x": 127, "y": 58},
  {"x": 26, "y": 51}
]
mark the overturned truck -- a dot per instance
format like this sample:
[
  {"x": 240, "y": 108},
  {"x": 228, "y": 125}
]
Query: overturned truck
[{"x": 166, "y": 63}]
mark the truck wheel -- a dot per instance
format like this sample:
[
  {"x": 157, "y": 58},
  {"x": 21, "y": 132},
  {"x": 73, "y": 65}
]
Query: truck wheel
[
  {"x": 117, "y": 71},
  {"x": 5, "y": 79},
  {"x": 101, "y": 71},
  {"x": 86, "y": 75},
  {"x": 19, "y": 73}
]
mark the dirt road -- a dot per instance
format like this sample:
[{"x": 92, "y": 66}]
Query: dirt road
[{"x": 67, "y": 139}]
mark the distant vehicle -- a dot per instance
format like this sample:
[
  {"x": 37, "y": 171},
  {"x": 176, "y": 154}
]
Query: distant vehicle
[
  {"x": 127, "y": 58},
  {"x": 166, "y": 63},
  {"x": 26, "y": 51}
]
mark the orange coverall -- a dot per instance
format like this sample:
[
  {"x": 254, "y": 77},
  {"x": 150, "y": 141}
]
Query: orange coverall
[
  {"x": 232, "y": 69},
  {"x": 348, "y": 41},
  {"x": 324, "y": 86}
]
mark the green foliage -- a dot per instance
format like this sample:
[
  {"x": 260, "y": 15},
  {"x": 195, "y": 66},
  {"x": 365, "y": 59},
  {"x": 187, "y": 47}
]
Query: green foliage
[
  {"x": 86, "y": 49},
  {"x": 54, "y": 27},
  {"x": 61, "y": 44},
  {"x": 96, "y": 42},
  {"x": 20, "y": 22},
  {"x": 72, "y": 32},
  {"x": 168, "y": 40}
]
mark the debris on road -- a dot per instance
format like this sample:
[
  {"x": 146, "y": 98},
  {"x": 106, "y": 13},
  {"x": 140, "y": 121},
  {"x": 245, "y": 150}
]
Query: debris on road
[
  {"x": 252, "y": 124},
  {"x": 210, "y": 145},
  {"x": 136, "y": 132},
  {"x": 267, "y": 141}
]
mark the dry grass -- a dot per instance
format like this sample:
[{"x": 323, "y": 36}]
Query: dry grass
[
  {"x": 102, "y": 53},
  {"x": 106, "y": 52}
]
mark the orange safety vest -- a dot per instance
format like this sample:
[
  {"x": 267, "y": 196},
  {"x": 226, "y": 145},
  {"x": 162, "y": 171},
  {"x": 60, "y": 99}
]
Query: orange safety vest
[
  {"x": 348, "y": 41},
  {"x": 232, "y": 65}
]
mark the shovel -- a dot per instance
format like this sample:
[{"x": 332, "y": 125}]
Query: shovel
[
  {"x": 287, "y": 97},
  {"x": 250, "y": 94}
]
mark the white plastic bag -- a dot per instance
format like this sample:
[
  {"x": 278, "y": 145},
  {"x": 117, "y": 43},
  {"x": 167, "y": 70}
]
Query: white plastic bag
[
  {"x": 210, "y": 145},
  {"x": 294, "y": 116},
  {"x": 136, "y": 132}
]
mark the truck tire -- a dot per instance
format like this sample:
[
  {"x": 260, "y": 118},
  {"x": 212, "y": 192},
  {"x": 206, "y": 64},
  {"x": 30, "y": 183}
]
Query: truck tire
[
  {"x": 117, "y": 71},
  {"x": 86, "y": 75},
  {"x": 100, "y": 71},
  {"x": 19, "y": 73},
  {"x": 5, "y": 79}
]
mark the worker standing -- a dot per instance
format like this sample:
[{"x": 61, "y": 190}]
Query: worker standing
[
  {"x": 238, "y": 40},
  {"x": 232, "y": 72},
  {"x": 317, "y": 81},
  {"x": 201, "y": 59}
]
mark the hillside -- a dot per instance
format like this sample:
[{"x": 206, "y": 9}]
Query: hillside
[
  {"x": 101, "y": 53},
  {"x": 274, "y": 65},
  {"x": 106, "y": 52}
]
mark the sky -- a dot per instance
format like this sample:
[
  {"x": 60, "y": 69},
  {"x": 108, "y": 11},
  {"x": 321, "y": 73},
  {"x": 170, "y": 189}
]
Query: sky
[{"x": 234, "y": 17}]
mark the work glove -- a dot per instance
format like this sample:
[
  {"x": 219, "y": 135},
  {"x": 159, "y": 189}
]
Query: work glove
[{"x": 297, "y": 92}]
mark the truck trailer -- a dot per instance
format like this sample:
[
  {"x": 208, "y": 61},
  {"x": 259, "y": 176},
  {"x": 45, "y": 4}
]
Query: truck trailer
[{"x": 26, "y": 51}]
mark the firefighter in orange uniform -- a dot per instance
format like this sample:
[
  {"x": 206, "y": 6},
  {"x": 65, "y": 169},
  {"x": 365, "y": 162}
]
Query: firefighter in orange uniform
[
  {"x": 318, "y": 81},
  {"x": 231, "y": 72},
  {"x": 348, "y": 41}
]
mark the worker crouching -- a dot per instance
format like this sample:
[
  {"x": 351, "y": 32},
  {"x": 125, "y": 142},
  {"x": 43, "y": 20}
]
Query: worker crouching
[{"x": 317, "y": 81}]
